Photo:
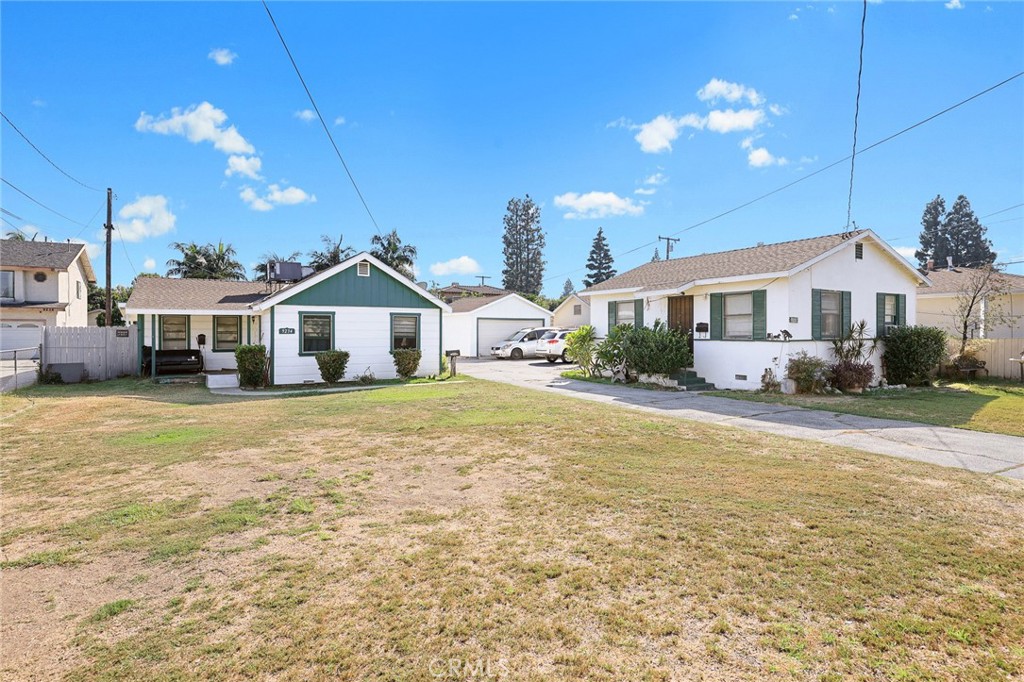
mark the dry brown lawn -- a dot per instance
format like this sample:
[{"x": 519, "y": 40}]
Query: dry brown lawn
[{"x": 456, "y": 531}]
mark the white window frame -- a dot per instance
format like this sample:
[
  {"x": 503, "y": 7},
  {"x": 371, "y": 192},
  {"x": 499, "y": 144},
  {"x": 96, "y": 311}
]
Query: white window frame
[{"x": 363, "y": 269}]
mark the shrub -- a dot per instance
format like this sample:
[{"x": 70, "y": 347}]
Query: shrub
[
  {"x": 610, "y": 353},
  {"x": 968, "y": 358},
  {"x": 581, "y": 347},
  {"x": 252, "y": 365},
  {"x": 407, "y": 361},
  {"x": 911, "y": 353},
  {"x": 855, "y": 345},
  {"x": 769, "y": 382},
  {"x": 367, "y": 377},
  {"x": 656, "y": 349},
  {"x": 808, "y": 372},
  {"x": 49, "y": 376},
  {"x": 332, "y": 364},
  {"x": 849, "y": 374}
]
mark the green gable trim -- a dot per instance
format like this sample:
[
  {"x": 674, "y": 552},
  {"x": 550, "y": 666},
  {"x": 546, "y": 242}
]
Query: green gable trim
[
  {"x": 717, "y": 316},
  {"x": 760, "y": 309},
  {"x": 346, "y": 288}
]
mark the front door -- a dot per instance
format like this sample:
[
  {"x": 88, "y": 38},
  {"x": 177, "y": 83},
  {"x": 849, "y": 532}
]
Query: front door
[{"x": 680, "y": 315}]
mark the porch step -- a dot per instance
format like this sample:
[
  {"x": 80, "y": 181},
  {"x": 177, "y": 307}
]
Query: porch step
[
  {"x": 222, "y": 380},
  {"x": 688, "y": 380}
]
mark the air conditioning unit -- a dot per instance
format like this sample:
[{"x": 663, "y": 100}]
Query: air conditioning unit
[{"x": 283, "y": 271}]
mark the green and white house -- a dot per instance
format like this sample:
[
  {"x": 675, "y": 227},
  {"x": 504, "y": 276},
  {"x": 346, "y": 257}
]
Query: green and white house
[
  {"x": 752, "y": 309},
  {"x": 360, "y": 305}
]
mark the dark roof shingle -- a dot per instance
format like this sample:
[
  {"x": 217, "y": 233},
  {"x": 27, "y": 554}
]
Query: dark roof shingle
[
  {"x": 49, "y": 255},
  {"x": 953, "y": 281},
  {"x": 168, "y": 293}
]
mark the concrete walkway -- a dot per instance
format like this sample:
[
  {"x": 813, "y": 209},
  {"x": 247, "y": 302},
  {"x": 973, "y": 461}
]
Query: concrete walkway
[{"x": 972, "y": 450}]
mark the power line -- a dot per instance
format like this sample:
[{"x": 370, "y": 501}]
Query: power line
[
  {"x": 1002, "y": 210},
  {"x": 121, "y": 237},
  {"x": 13, "y": 215},
  {"x": 36, "y": 201},
  {"x": 856, "y": 114},
  {"x": 48, "y": 159},
  {"x": 817, "y": 172},
  {"x": 322, "y": 122}
]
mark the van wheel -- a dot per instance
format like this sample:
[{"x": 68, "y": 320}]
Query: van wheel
[
  {"x": 565, "y": 360},
  {"x": 516, "y": 354}
]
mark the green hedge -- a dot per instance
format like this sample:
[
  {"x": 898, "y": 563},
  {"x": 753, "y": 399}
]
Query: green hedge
[
  {"x": 645, "y": 350},
  {"x": 252, "y": 365},
  {"x": 332, "y": 364},
  {"x": 911, "y": 353},
  {"x": 407, "y": 361}
]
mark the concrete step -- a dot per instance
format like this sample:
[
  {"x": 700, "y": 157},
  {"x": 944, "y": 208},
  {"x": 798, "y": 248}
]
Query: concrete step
[
  {"x": 701, "y": 386},
  {"x": 222, "y": 380}
]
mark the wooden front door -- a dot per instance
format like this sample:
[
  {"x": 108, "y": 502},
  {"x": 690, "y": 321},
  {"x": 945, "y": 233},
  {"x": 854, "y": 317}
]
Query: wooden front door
[{"x": 680, "y": 315}]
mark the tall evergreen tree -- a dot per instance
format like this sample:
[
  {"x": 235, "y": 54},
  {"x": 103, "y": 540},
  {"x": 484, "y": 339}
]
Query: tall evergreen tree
[
  {"x": 567, "y": 288},
  {"x": 957, "y": 233},
  {"x": 600, "y": 262},
  {"x": 523, "y": 247},
  {"x": 657, "y": 256}
]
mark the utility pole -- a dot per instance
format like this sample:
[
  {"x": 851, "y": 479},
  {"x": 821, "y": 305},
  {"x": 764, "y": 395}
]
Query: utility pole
[
  {"x": 482, "y": 278},
  {"x": 668, "y": 245},
  {"x": 109, "y": 227}
]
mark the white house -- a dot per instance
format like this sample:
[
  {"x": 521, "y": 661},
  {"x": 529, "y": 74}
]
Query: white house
[
  {"x": 751, "y": 309},
  {"x": 360, "y": 305},
  {"x": 997, "y": 317},
  {"x": 44, "y": 284},
  {"x": 571, "y": 313},
  {"x": 476, "y": 323}
]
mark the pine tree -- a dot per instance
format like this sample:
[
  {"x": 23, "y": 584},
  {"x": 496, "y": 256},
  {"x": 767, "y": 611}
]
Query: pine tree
[
  {"x": 957, "y": 233},
  {"x": 567, "y": 288},
  {"x": 600, "y": 262},
  {"x": 523, "y": 247},
  {"x": 657, "y": 256}
]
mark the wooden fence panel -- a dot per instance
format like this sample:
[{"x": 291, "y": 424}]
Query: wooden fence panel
[
  {"x": 997, "y": 354},
  {"x": 106, "y": 352}
]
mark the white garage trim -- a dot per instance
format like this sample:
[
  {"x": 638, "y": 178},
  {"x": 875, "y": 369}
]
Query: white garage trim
[{"x": 515, "y": 324}]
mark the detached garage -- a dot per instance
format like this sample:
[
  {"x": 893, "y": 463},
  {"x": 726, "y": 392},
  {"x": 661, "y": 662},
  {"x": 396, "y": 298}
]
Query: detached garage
[{"x": 478, "y": 322}]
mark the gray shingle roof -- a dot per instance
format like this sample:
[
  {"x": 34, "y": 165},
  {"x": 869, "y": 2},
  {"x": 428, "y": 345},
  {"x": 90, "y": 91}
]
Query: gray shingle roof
[
  {"x": 953, "y": 281},
  {"x": 44, "y": 255},
  {"x": 467, "y": 303},
  {"x": 752, "y": 260},
  {"x": 168, "y": 293},
  {"x": 480, "y": 289}
]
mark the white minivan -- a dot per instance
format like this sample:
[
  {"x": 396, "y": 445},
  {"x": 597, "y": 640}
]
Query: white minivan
[
  {"x": 551, "y": 346},
  {"x": 520, "y": 344}
]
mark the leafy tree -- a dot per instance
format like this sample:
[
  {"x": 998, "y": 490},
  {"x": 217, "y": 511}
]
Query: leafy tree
[
  {"x": 392, "y": 252},
  {"x": 333, "y": 253},
  {"x": 600, "y": 262},
  {"x": 205, "y": 262},
  {"x": 97, "y": 299},
  {"x": 978, "y": 301},
  {"x": 657, "y": 256},
  {"x": 957, "y": 233},
  {"x": 567, "y": 288},
  {"x": 259, "y": 272},
  {"x": 523, "y": 247}
]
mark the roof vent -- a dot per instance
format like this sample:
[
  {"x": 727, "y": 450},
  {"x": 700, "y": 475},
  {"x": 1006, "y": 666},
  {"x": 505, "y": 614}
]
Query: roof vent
[
  {"x": 422, "y": 285},
  {"x": 283, "y": 271},
  {"x": 949, "y": 262}
]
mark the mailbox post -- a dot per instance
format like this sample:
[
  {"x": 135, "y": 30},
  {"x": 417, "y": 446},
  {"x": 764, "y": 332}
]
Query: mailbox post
[{"x": 452, "y": 355}]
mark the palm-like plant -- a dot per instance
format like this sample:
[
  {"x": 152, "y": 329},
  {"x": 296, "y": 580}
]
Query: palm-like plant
[
  {"x": 390, "y": 250},
  {"x": 333, "y": 253},
  {"x": 205, "y": 262},
  {"x": 259, "y": 272}
]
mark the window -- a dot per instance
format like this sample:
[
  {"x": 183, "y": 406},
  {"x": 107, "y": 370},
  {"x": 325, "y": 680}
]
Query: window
[
  {"x": 739, "y": 316},
  {"x": 405, "y": 331},
  {"x": 7, "y": 284},
  {"x": 363, "y": 269},
  {"x": 317, "y": 332},
  {"x": 625, "y": 312},
  {"x": 891, "y": 311},
  {"x": 173, "y": 332},
  {"x": 831, "y": 314},
  {"x": 889, "y": 315},
  {"x": 227, "y": 333},
  {"x": 78, "y": 290},
  {"x": 577, "y": 309}
]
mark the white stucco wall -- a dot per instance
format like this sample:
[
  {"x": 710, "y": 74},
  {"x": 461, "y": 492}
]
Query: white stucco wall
[
  {"x": 59, "y": 287},
  {"x": 460, "y": 329},
  {"x": 364, "y": 332},
  {"x": 563, "y": 316},
  {"x": 938, "y": 311}
]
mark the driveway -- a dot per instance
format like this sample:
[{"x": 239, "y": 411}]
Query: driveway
[
  {"x": 26, "y": 374},
  {"x": 987, "y": 453}
]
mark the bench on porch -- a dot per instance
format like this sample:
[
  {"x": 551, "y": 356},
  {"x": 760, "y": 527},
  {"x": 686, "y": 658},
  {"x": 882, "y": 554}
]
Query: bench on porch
[{"x": 183, "y": 361}]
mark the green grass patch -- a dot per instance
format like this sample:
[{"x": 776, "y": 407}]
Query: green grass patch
[
  {"x": 60, "y": 557},
  {"x": 111, "y": 609}
]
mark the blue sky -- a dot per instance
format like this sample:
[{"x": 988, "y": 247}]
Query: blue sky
[{"x": 641, "y": 118}]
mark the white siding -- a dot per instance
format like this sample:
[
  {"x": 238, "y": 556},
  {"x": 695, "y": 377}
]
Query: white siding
[
  {"x": 938, "y": 311},
  {"x": 365, "y": 332},
  {"x": 461, "y": 329}
]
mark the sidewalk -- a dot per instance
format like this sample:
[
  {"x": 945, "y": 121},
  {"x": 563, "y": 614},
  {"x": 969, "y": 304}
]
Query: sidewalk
[{"x": 972, "y": 450}]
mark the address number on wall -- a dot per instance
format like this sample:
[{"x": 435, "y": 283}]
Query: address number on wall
[{"x": 286, "y": 330}]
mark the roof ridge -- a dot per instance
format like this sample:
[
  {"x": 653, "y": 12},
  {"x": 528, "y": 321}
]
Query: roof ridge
[{"x": 762, "y": 246}]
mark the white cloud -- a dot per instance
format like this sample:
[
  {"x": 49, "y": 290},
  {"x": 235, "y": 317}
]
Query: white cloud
[
  {"x": 793, "y": 17},
  {"x": 954, "y": 4},
  {"x": 94, "y": 251},
  {"x": 463, "y": 265},
  {"x": 39, "y": 103},
  {"x": 340, "y": 121},
  {"x": 777, "y": 110},
  {"x": 275, "y": 196},
  {"x": 728, "y": 121},
  {"x": 597, "y": 205},
  {"x": 658, "y": 178},
  {"x": 760, "y": 157},
  {"x": 717, "y": 89},
  {"x": 249, "y": 166},
  {"x": 620, "y": 122},
  {"x": 645, "y": 191},
  {"x": 147, "y": 216},
  {"x": 149, "y": 264},
  {"x": 657, "y": 135},
  {"x": 305, "y": 115},
  {"x": 198, "y": 123},
  {"x": 907, "y": 252},
  {"x": 223, "y": 56}
]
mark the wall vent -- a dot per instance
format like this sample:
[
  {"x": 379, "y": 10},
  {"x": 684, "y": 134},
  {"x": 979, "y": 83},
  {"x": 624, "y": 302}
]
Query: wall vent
[
  {"x": 858, "y": 251},
  {"x": 741, "y": 377},
  {"x": 363, "y": 269}
]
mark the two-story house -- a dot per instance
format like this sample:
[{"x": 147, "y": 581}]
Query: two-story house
[{"x": 44, "y": 284}]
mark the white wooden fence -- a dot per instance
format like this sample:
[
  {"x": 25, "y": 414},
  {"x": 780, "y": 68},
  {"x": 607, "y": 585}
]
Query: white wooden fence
[
  {"x": 106, "y": 352},
  {"x": 997, "y": 354}
]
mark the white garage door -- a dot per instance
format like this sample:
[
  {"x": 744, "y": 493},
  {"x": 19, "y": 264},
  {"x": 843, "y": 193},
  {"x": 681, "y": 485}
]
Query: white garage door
[{"x": 491, "y": 330}]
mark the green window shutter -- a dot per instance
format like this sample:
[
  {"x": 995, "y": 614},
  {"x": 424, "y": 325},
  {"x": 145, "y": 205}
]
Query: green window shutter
[
  {"x": 638, "y": 312},
  {"x": 901, "y": 309},
  {"x": 846, "y": 321},
  {"x": 879, "y": 315},
  {"x": 760, "y": 314},
  {"x": 816, "y": 314},
  {"x": 717, "y": 319},
  {"x": 612, "y": 307}
]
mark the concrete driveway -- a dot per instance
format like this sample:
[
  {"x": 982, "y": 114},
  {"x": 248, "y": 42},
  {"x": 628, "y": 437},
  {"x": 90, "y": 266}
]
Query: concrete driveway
[{"x": 972, "y": 450}]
